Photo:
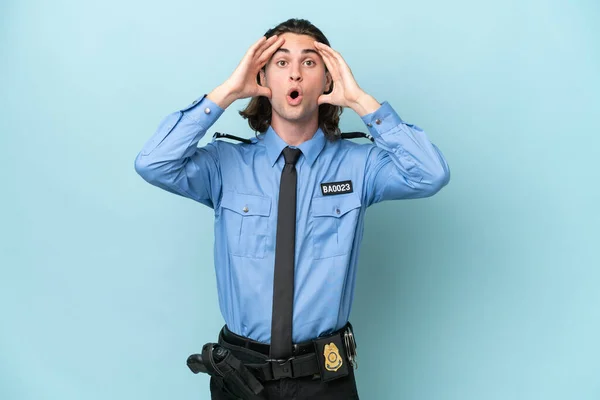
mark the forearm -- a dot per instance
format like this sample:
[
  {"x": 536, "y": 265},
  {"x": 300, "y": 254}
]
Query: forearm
[
  {"x": 179, "y": 132},
  {"x": 365, "y": 104},
  {"x": 410, "y": 166},
  {"x": 171, "y": 154},
  {"x": 222, "y": 95}
]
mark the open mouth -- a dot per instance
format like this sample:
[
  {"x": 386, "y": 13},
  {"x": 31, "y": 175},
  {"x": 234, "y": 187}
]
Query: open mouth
[{"x": 294, "y": 96}]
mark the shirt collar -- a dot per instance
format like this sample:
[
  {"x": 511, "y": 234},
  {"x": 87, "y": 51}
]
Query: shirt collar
[{"x": 310, "y": 149}]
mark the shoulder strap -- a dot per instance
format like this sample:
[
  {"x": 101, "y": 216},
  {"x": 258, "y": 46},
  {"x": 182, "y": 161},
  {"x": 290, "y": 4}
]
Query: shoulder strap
[
  {"x": 344, "y": 135},
  {"x": 228, "y": 136},
  {"x": 356, "y": 135}
]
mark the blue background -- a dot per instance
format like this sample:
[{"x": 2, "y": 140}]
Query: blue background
[{"x": 489, "y": 290}]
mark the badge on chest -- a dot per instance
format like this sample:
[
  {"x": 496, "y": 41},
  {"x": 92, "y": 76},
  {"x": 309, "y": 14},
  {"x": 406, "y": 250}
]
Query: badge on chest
[{"x": 331, "y": 188}]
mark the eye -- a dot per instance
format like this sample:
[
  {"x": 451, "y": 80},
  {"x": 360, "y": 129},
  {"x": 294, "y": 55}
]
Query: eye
[
  {"x": 281, "y": 63},
  {"x": 310, "y": 63}
]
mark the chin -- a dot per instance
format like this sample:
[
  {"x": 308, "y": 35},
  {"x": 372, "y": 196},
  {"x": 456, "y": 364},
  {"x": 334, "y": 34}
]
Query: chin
[
  {"x": 303, "y": 112},
  {"x": 292, "y": 114},
  {"x": 296, "y": 115}
]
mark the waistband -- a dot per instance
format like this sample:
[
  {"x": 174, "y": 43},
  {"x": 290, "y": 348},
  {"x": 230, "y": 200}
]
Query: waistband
[{"x": 298, "y": 349}]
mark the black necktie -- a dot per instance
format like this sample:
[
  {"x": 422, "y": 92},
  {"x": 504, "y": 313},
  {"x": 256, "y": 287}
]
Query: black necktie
[{"x": 283, "y": 282}]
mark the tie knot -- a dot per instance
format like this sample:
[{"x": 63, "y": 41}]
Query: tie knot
[{"x": 291, "y": 155}]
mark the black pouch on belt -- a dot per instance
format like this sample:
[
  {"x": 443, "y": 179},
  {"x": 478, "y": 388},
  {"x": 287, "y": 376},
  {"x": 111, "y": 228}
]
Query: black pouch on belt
[
  {"x": 331, "y": 357},
  {"x": 229, "y": 372}
]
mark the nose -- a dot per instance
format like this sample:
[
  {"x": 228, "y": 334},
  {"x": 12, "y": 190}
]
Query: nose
[{"x": 295, "y": 75}]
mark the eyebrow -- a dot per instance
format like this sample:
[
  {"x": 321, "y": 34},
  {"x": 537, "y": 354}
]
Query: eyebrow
[{"x": 305, "y": 51}]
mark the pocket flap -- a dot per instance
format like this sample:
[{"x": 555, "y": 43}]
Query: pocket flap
[
  {"x": 246, "y": 204},
  {"x": 335, "y": 206}
]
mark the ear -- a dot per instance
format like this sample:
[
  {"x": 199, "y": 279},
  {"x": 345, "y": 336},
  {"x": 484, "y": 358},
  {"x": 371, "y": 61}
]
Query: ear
[
  {"x": 328, "y": 83},
  {"x": 262, "y": 79}
]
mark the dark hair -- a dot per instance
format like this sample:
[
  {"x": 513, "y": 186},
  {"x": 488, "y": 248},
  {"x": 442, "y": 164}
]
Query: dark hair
[{"x": 258, "y": 111}]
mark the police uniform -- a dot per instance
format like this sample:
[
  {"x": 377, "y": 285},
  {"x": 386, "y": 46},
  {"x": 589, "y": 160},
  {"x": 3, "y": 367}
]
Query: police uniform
[{"x": 336, "y": 182}]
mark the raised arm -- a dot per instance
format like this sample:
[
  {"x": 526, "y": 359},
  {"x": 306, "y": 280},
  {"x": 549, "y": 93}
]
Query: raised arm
[
  {"x": 404, "y": 163},
  {"x": 171, "y": 160}
]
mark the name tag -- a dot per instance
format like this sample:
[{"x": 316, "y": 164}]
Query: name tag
[{"x": 332, "y": 188}]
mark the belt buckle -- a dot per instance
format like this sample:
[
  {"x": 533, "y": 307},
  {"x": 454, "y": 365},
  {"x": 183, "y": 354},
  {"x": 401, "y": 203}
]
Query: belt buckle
[
  {"x": 282, "y": 368},
  {"x": 350, "y": 343}
]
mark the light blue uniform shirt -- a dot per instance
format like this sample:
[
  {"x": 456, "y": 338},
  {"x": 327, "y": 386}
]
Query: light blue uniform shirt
[{"x": 241, "y": 183}]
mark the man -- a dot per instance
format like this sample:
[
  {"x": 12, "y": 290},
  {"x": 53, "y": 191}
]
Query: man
[{"x": 289, "y": 208}]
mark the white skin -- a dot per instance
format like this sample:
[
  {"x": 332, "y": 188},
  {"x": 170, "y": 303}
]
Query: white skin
[
  {"x": 292, "y": 60},
  {"x": 296, "y": 64}
]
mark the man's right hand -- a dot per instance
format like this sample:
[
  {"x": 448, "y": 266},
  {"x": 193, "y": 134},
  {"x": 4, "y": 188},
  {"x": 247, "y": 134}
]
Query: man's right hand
[{"x": 242, "y": 83}]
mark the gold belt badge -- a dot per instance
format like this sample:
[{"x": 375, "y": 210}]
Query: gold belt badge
[{"x": 333, "y": 361}]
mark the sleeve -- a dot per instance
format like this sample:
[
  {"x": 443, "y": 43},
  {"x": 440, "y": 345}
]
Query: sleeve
[
  {"x": 403, "y": 164},
  {"x": 171, "y": 160}
]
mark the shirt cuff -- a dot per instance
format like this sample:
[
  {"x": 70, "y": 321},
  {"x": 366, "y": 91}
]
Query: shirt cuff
[
  {"x": 203, "y": 110},
  {"x": 382, "y": 120}
]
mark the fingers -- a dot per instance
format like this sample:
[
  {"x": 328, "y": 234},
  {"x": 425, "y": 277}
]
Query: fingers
[
  {"x": 263, "y": 41},
  {"x": 328, "y": 50},
  {"x": 269, "y": 50},
  {"x": 330, "y": 62},
  {"x": 325, "y": 50},
  {"x": 343, "y": 71},
  {"x": 250, "y": 53},
  {"x": 258, "y": 47},
  {"x": 265, "y": 44}
]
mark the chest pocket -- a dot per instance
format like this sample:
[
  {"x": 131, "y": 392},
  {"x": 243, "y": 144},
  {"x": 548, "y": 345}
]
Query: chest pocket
[
  {"x": 334, "y": 220},
  {"x": 246, "y": 221}
]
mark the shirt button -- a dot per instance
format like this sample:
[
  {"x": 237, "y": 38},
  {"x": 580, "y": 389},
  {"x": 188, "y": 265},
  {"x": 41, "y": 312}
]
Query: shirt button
[
  {"x": 207, "y": 110},
  {"x": 378, "y": 121},
  {"x": 369, "y": 125},
  {"x": 245, "y": 209},
  {"x": 337, "y": 210}
]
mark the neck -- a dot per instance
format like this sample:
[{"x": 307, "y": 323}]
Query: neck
[{"x": 295, "y": 133}]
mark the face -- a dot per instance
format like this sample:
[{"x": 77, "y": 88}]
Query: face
[{"x": 296, "y": 76}]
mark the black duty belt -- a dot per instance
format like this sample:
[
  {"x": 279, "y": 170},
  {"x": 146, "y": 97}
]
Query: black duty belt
[
  {"x": 328, "y": 356},
  {"x": 239, "y": 364},
  {"x": 263, "y": 348}
]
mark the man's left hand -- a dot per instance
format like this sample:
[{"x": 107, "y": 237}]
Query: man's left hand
[{"x": 346, "y": 92}]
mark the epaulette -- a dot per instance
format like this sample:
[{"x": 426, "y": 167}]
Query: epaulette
[
  {"x": 356, "y": 135},
  {"x": 228, "y": 136},
  {"x": 344, "y": 135}
]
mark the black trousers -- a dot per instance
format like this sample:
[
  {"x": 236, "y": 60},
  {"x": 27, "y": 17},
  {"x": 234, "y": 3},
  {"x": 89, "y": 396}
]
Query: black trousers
[{"x": 303, "y": 388}]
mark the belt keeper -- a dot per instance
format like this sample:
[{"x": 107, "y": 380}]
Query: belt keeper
[{"x": 282, "y": 368}]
